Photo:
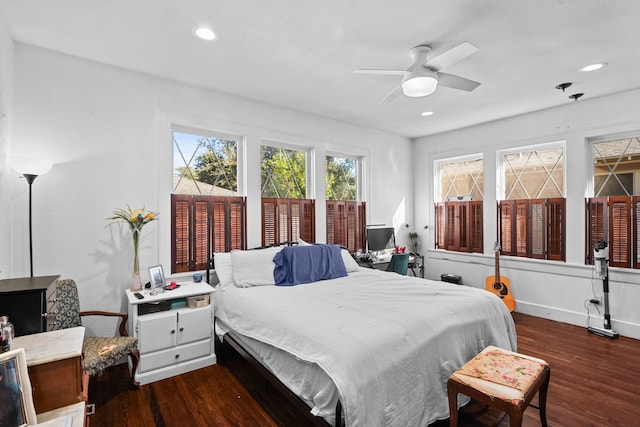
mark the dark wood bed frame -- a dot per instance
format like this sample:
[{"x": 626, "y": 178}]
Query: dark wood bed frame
[{"x": 271, "y": 379}]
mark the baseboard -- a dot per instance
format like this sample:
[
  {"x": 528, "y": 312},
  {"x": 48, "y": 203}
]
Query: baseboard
[{"x": 627, "y": 329}]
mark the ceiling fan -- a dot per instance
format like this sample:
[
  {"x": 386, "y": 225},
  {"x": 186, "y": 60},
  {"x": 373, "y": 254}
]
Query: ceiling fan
[{"x": 422, "y": 76}]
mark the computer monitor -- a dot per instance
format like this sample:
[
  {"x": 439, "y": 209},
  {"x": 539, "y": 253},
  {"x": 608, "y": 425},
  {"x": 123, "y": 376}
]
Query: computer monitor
[{"x": 380, "y": 238}]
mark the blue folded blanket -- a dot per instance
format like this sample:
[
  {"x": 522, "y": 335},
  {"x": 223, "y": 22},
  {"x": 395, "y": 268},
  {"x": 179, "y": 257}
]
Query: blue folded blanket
[{"x": 305, "y": 264}]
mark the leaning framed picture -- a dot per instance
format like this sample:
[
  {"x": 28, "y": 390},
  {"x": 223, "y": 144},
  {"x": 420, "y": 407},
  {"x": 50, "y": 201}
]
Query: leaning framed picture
[
  {"x": 16, "y": 401},
  {"x": 157, "y": 277}
]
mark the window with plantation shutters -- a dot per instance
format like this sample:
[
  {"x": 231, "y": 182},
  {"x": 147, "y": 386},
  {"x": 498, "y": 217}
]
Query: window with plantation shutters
[
  {"x": 531, "y": 216},
  {"x": 287, "y": 220},
  {"x": 346, "y": 216},
  {"x": 459, "y": 213},
  {"x": 533, "y": 228},
  {"x": 346, "y": 224},
  {"x": 207, "y": 215},
  {"x": 203, "y": 225},
  {"x": 616, "y": 220},
  {"x": 613, "y": 215}
]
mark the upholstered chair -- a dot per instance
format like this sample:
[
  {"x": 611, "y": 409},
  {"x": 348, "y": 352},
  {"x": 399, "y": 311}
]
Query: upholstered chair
[
  {"x": 99, "y": 352},
  {"x": 399, "y": 263}
]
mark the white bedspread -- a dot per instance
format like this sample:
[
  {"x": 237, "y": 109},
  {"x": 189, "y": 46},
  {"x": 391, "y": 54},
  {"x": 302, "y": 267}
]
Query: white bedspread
[{"x": 388, "y": 342}]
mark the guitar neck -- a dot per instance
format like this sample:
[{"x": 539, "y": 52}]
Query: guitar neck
[{"x": 497, "y": 275}]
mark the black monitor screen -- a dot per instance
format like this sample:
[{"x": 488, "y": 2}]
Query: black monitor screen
[{"x": 379, "y": 239}]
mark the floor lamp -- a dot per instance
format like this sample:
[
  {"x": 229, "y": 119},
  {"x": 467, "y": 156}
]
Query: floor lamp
[{"x": 30, "y": 168}]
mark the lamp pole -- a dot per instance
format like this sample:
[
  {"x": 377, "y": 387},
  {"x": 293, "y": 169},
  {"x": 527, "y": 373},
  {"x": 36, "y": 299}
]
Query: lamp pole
[{"x": 30, "y": 178}]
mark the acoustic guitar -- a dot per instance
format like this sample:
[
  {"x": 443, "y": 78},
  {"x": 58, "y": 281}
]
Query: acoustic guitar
[{"x": 499, "y": 285}]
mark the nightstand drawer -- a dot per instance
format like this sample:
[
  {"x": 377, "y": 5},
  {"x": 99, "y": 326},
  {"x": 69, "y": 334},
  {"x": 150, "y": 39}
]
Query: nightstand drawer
[{"x": 174, "y": 355}]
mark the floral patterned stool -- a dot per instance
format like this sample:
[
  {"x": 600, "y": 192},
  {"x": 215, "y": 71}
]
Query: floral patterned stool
[{"x": 503, "y": 380}]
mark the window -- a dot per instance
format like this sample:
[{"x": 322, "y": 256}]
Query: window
[
  {"x": 532, "y": 212},
  {"x": 613, "y": 215},
  {"x": 207, "y": 215},
  {"x": 346, "y": 216},
  {"x": 459, "y": 223},
  {"x": 287, "y": 215}
]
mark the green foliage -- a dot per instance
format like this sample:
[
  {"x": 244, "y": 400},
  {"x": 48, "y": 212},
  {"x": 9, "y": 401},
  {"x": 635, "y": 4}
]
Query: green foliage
[
  {"x": 341, "y": 178},
  {"x": 283, "y": 173},
  {"x": 216, "y": 164}
]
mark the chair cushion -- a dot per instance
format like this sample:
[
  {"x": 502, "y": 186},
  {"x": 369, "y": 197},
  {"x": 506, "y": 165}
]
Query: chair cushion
[
  {"x": 501, "y": 373},
  {"x": 102, "y": 352}
]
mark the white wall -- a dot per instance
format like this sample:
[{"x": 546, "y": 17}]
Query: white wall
[
  {"x": 547, "y": 289},
  {"x": 6, "y": 80},
  {"x": 107, "y": 131}
]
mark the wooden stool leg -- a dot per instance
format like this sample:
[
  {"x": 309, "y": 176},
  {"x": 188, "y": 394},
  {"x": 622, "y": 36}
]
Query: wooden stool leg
[
  {"x": 515, "y": 417},
  {"x": 542, "y": 398},
  {"x": 453, "y": 405}
]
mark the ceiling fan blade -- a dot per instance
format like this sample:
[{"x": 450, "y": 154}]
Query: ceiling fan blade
[
  {"x": 452, "y": 56},
  {"x": 383, "y": 72},
  {"x": 392, "y": 95},
  {"x": 456, "y": 82}
]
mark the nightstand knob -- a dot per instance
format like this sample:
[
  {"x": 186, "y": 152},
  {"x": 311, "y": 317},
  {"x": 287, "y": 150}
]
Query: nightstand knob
[
  {"x": 177, "y": 356},
  {"x": 173, "y": 331},
  {"x": 181, "y": 329}
]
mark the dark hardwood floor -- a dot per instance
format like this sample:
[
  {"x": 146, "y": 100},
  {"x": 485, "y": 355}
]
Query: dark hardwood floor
[{"x": 594, "y": 382}]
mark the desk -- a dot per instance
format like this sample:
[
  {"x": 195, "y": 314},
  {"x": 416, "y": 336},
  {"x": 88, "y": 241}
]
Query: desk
[{"x": 416, "y": 262}]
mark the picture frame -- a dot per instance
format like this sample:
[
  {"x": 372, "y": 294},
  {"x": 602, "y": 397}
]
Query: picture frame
[
  {"x": 157, "y": 278},
  {"x": 15, "y": 386}
]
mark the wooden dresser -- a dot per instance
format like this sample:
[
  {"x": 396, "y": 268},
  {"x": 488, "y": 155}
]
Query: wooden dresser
[{"x": 54, "y": 361}]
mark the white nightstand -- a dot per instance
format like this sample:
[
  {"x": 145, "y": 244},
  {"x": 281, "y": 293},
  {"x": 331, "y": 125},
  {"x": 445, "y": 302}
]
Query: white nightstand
[{"x": 173, "y": 337}]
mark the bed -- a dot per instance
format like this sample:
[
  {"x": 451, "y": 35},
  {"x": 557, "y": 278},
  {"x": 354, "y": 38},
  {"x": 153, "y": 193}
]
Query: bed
[{"x": 378, "y": 346}]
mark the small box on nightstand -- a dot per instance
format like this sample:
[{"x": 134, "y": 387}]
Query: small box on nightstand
[{"x": 198, "y": 301}]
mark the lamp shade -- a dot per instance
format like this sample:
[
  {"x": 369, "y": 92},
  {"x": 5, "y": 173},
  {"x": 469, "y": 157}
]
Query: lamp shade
[
  {"x": 30, "y": 165},
  {"x": 418, "y": 83}
]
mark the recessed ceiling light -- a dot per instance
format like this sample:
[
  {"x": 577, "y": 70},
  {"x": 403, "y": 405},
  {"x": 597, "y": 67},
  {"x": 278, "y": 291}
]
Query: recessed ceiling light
[
  {"x": 204, "y": 33},
  {"x": 427, "y": 113},
  {"x": 593, "y": 67}
]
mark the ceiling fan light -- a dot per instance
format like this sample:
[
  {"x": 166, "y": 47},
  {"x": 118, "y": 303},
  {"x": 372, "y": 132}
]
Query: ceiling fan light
[{"x": 419, "y": 86}]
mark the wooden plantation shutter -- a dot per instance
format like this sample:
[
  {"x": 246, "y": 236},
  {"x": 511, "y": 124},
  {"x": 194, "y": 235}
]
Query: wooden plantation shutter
[
  {"x": 476, "y": 226},
  {"x": 441, "y": 220},
  {"x": 459, "y": 226},
  {"x": 201, "y": 225},
  {"x": 346, "y": 224},
  {"x": 635, "y": 201},
  {"x": 557, "y": 229},
  {"x": 180, "y": 227},
  {"x": 533, "y": 228},
  {"x": 620, "y": 231},
  {"x": 597, "y": 224},
  {"x": 286, "y": 220},
  {"x": 506, "y": 216}
]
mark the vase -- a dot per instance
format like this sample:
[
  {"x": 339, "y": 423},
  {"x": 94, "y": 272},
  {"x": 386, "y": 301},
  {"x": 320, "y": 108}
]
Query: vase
[{"x": 136, "y": 284}]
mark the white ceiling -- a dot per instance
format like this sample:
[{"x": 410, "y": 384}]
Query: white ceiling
[{"x": 301, "y": 54}]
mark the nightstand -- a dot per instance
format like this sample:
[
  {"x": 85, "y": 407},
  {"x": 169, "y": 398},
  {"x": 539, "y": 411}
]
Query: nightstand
[{"x": 174, "y": 330}]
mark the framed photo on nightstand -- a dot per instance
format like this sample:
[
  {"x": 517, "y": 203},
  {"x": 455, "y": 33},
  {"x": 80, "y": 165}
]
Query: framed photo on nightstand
[{"x": 157, "y": 277}]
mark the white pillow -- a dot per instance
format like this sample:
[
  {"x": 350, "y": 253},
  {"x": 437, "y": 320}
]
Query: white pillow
[
  {"x": 349, "y": 262},
  {"x": 303, "y": 243},
  {"x": 254, "y": 267},
  {"x": 223, "y": 268}
]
